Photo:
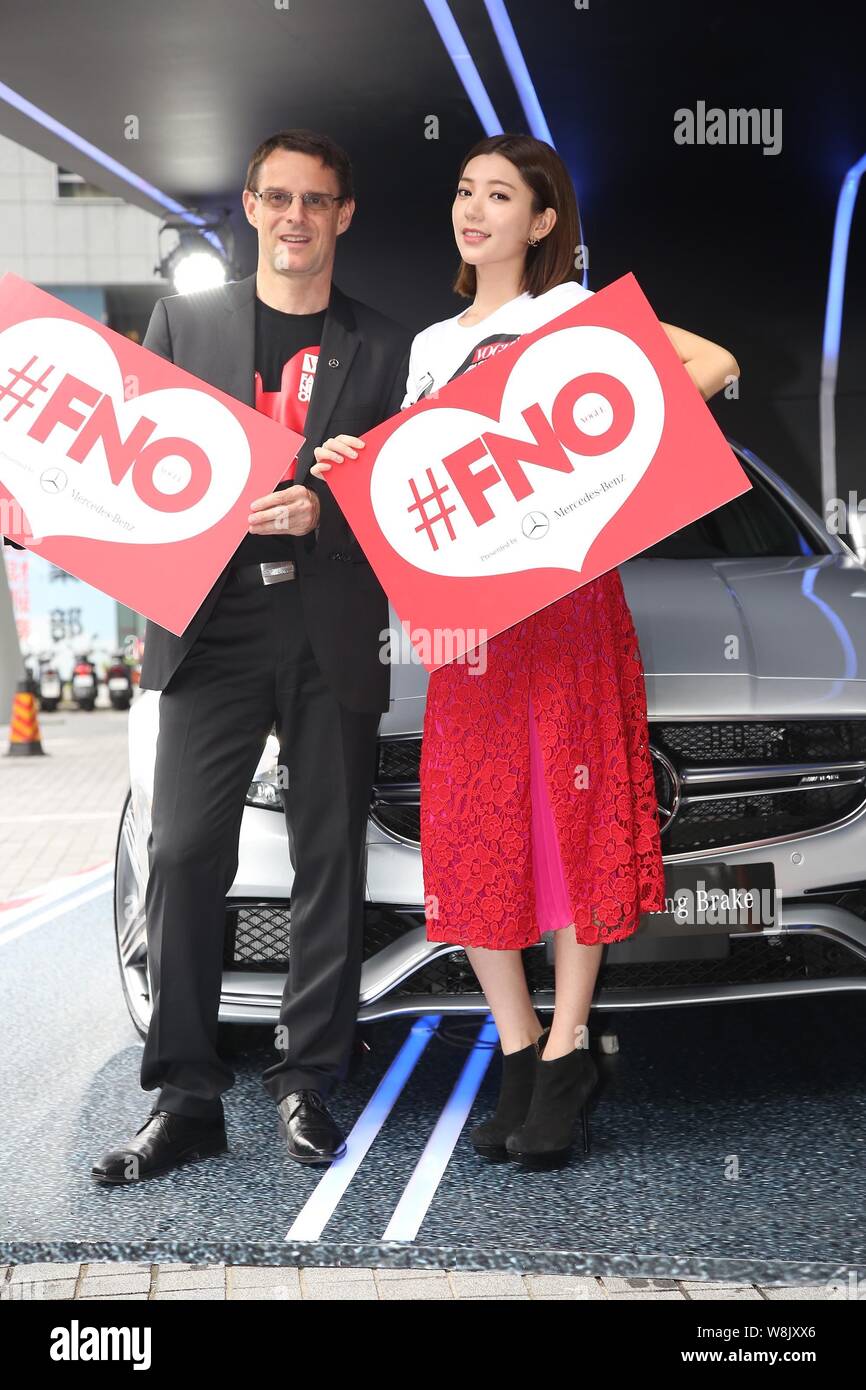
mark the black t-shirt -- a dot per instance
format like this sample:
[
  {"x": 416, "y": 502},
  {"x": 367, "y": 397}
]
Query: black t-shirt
[{"x": 287, "y": 347}]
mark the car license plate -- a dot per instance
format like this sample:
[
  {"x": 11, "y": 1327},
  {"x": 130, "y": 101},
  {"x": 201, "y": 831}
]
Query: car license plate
[{"x": 716, "y": 899}]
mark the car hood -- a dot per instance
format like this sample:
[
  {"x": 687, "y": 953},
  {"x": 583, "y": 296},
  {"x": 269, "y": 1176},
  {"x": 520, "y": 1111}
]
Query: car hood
[{"x": 721, "y": 638}]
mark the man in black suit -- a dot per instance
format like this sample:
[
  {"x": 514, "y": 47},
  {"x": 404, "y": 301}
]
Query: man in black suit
[{"x": 288, "y": 635}]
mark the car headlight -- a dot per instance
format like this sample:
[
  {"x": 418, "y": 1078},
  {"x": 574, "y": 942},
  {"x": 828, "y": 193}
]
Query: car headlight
[{"x": 269, "y": 779}]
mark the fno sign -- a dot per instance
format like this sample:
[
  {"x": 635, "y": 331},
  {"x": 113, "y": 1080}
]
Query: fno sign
[
  {"x": 568, "y": 451},
  {"x": 144, "y": 496}
]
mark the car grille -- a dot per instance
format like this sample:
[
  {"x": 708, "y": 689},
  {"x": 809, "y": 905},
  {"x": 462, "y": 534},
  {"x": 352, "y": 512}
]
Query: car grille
[
  {"x": 257, "y": 934},
  {"x": 257, "y": 939},
  {"x": 781, "y": 958},
  {"x": 784, "y": 741},
  {"x": 720, "y": 783}
]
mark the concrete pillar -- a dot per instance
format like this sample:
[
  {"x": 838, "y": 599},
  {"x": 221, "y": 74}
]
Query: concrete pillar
[{"x": 11, "y": 661}]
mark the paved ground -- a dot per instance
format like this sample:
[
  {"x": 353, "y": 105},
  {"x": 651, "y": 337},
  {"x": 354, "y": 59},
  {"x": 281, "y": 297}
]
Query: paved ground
[
  {"x": 59, "y": 813},
  {"x": 180, "y": 1281},
  {"x": 59, "y": 817}
]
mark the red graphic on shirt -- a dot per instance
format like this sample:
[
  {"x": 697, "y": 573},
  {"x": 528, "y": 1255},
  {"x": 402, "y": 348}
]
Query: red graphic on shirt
[
  {"x": 288, "y": 406},
  {"x": 484, "y": 350},
  {"x": 487, "y": 348}
]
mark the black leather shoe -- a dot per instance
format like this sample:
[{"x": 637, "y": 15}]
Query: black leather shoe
[
  {"x": 163, "y": 1142},
  {"x": 311, "y": 1133}
]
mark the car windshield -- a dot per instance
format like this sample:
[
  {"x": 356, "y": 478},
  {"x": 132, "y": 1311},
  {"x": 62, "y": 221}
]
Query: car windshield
[{"x": 757, "y": 523}]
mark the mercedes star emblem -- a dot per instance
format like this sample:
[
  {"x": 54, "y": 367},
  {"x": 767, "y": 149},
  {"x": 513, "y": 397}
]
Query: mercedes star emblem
[
  {"x": 535, "y": 525},
  {"x": 53, "y": 480}
]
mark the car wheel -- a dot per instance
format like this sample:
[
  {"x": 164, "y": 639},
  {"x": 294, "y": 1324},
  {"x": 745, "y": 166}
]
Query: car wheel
[
  {"x": 130, "y": 935},
  {"x": 130, "y": 928}
]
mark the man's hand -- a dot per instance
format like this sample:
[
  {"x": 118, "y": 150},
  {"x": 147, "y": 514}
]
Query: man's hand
[{"x": 294, "y": 511}]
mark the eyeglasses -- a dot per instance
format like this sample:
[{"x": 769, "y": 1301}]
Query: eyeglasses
[{"x": 278, "y": 200}]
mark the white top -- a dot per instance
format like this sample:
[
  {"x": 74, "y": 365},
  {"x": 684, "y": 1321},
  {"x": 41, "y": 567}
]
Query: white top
[{"x": 448, "y": 348}]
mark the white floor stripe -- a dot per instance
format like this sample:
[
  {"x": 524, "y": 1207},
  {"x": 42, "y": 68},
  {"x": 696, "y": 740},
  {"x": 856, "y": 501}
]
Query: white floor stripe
[
  {"x": 322, "y": 1202},
  {"x": 54, "y": 910},
  {"x": 427, "y": 1175},
  {"x": 53, "y": 890}
]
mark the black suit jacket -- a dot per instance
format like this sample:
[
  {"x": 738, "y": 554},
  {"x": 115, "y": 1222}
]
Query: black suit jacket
[{"x": 360, "y": 380}]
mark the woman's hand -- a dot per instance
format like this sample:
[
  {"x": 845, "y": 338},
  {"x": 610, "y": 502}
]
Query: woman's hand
[
  {"x": 292, "y": 511},
  {"x": 337, "y": 449}
]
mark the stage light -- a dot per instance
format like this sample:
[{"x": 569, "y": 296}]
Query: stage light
[
  {"x": 458, "y": 51},
  {"x": 190, "y": 263},
  {"x": 511, "y": 52},
  {"x": 197, "y": 270}
]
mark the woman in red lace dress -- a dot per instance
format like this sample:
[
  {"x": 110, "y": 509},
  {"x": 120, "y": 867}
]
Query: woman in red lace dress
[{"x": 538, "y": 803}]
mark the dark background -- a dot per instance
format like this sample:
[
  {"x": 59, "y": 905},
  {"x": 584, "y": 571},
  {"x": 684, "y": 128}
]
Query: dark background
[{"x": 726, "y": 241}]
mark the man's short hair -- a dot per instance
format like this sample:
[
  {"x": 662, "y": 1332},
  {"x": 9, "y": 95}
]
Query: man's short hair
[{"x": 304, "y": 142}]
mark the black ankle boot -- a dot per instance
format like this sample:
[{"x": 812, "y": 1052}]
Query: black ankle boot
[
  {"x": 515, "y": 1094},
  {"x": 563, "y": 1086}
]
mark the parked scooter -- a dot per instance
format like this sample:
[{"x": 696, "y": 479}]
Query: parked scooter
[
  {"x": 84, "y": 683},
  {"x": 50, "y": 685},
  {"x": 119, "y": 681},
  {"x": 46, "y": 683}
]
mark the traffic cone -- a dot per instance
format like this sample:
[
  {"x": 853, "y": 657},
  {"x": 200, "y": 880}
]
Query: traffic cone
[{"x": 24, "y": 735}]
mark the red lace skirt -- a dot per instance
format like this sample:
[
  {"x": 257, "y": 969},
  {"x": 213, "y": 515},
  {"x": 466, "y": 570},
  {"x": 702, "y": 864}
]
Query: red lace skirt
[{"x": 538, "y": 802}]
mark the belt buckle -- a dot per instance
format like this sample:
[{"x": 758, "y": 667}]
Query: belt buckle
[{"x": 276, "y": 571}]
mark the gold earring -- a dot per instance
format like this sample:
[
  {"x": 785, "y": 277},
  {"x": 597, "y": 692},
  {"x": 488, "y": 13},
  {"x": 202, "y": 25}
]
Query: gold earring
[{"x": 533, "y": 240}]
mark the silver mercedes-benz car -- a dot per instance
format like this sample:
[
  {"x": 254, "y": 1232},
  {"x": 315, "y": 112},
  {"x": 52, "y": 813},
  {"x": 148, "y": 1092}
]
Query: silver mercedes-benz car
[{"x": 752, "y": 629}]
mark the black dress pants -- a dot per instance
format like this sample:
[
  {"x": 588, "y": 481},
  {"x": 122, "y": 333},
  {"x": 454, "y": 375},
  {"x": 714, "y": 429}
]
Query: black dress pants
[{"x": 252, "y": 667}]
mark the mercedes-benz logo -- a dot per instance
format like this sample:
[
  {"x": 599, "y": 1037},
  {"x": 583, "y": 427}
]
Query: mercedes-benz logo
[
  {"x": 668, "y": 787},
  {"x": 53, "y": 480},
  {"x": 535, "y": 525}
]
